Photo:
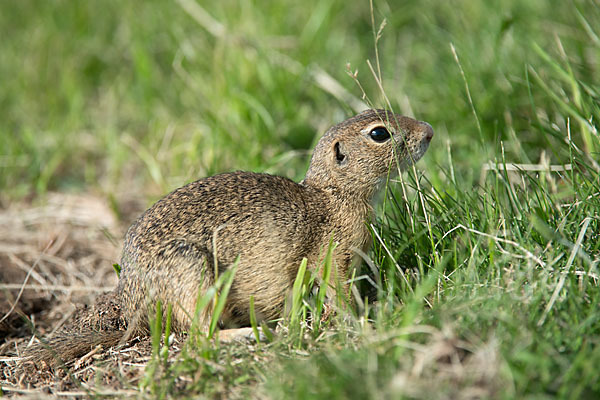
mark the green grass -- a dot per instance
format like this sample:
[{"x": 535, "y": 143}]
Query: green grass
[{"x": 488, "y": 279}]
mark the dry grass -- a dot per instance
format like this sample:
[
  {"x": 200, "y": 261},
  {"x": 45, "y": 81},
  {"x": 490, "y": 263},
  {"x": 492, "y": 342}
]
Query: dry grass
[{"x": 53, "y": 256}]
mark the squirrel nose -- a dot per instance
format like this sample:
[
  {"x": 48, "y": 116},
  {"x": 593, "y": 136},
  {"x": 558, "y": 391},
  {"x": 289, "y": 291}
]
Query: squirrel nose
[{"x": 428, "y": 131}]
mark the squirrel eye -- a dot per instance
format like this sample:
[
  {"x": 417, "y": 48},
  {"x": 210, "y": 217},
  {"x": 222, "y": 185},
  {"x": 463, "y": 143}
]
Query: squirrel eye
[{"x": 379, "y": 134}]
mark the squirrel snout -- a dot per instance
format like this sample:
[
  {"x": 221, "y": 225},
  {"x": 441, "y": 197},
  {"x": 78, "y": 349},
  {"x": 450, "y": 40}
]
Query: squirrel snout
[{"x": 427, "y": 131}]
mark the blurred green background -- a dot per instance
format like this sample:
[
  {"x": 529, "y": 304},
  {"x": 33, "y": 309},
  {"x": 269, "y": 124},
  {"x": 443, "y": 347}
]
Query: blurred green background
[{"x": 144, "y": 96}]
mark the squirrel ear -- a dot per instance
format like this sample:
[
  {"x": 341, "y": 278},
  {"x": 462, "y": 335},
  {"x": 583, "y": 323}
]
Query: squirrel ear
[{"x": 340, "y": 157}]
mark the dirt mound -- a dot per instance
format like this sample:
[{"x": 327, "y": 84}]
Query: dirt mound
[
  {"x": 52, "y": 257},
  {"x": 60, "y": 252}
]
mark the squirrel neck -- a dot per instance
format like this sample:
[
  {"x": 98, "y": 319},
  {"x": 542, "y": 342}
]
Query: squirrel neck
[
  {"x": 351, "y": 195},
  {"x": 350, "y": 206}
]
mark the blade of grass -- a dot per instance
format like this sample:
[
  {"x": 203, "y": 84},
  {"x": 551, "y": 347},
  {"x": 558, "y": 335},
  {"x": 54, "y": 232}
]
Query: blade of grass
[{"x": 227, "y": 279}]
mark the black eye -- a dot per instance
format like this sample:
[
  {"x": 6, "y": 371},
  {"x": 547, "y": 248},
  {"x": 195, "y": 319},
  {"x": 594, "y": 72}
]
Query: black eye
[{"x": 379, "y": 134}]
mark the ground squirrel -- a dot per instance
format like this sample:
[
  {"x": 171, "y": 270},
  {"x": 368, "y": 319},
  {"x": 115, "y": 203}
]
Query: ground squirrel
[{"x": 268, "y": 223}]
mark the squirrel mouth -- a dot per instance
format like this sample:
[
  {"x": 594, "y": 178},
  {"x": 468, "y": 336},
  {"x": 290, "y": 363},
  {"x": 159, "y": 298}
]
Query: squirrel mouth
[{"x": 416, "y": 147}]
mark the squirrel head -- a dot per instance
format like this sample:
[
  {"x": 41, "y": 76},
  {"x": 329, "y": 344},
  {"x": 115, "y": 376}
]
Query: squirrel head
[{"x": 354, "y": 156}]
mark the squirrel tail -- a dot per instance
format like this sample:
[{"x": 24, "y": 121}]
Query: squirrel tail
[
  {"x": 63, "y": 348},
  {"x": 100, "y": 325}
]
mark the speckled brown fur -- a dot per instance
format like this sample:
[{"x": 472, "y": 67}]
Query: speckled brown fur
[{"x": 269, "y": 222}]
